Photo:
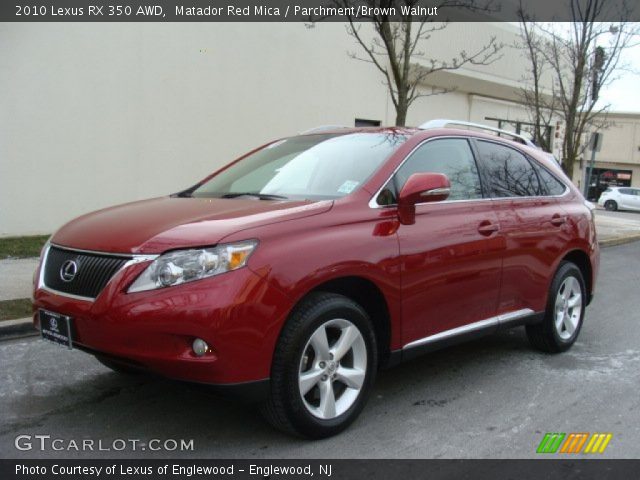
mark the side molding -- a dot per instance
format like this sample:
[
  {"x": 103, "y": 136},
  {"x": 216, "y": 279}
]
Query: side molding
[{"x": 470, "y": 331}]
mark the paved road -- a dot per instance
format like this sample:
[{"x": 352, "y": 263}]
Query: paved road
[{"x": 492, "y": 398}]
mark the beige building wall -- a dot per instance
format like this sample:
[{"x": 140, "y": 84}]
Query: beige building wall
[
  {"x": 621, "y": 140},
  {"x": 98, "y": 114},
  {"x": 620, "y": 148}
]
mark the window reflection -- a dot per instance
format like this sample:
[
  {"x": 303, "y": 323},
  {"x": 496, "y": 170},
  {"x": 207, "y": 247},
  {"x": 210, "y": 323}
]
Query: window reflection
[
  {"x": 510, "y": 173},
  {"x": 451, "y": 156}
]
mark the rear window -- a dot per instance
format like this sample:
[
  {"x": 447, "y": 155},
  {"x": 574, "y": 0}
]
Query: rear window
[
  {"x": 549, "y": 183},
  {"x": 510, "y": 173}
]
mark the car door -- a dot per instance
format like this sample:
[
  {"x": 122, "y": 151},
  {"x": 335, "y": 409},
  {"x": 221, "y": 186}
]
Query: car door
[
  {"x": 451, "y": 256},
  {"x": 632, "y": 199},
  {"x": 624, "y": 198},
  {"x": 531, "y": 220}
]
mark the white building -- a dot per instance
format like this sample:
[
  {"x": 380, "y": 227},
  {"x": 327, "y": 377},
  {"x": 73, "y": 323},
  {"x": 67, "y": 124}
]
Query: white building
[{"x": 97, "y": 114}]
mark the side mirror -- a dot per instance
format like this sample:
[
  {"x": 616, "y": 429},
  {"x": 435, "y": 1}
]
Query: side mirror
[{"x": 421, "y": 188}]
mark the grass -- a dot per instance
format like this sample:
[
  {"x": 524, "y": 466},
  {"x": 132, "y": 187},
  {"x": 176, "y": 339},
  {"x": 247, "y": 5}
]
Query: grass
[
  {"x": 22, "y": 247},
  {"x": 10, "y": 309}
]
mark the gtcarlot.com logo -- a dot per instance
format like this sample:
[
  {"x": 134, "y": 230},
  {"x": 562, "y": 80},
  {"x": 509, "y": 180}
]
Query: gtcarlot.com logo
[
  {"x": 47, "y": 442},
  {"x": 574, "y": 443}
]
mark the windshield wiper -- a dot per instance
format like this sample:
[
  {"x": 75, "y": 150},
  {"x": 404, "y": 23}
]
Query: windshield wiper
[
  {"x": 261, "y": 196},
  {"x": 185, "y": 194}
]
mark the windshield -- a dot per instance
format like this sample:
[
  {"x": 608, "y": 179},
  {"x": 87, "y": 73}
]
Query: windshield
[{"x": 305, "y": 167}]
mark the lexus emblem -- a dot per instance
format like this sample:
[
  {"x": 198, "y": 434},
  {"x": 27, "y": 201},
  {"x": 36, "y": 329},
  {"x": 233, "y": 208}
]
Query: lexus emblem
[
  {"x": 68, "y": 270},
  {"x": 53, "y": 323}
]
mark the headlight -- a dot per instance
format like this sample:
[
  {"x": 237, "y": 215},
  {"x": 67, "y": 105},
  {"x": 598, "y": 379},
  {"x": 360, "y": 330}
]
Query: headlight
[{"x": 182, "y": 266}]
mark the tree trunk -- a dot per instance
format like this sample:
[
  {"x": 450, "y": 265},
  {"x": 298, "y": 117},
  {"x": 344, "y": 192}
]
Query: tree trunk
[
  {"x": 569, "y": 157},
  {"x": 567, "y": 166},
  {"x": 401, "y": 117},
  {"x": 401, "y": 111}
]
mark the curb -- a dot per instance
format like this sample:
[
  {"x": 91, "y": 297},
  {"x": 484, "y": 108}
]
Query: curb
[
  {"x": 19, "y": 328},
  {"x": 611, "y": 242}
]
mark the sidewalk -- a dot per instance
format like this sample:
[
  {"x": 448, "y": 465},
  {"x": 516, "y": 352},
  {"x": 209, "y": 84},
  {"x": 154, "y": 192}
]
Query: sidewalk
[
  {"x": 616, "y": 231},
  {"x": 16, "y": 274},
  {"x": 16, "y": 280},
  {"x": 16, "y": 277}
]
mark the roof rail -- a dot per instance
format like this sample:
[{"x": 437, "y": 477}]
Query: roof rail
[
  {"x": 443, "y": 123},
  {"x": 324, "y": 128}
]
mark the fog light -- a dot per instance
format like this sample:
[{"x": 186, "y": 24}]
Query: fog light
[{"x": 200, "y": 347}]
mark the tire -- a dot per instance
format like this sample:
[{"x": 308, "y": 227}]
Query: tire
[
  {"x": 303, "y": 362},
  {"x": 564, "y": 314},
  {"x": 117, "y": 366},
  {"x": 611, "y": 205}
]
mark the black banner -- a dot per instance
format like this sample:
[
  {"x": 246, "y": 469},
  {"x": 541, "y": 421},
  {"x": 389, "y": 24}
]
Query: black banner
[
  {"x": 302, "y": 10},
  {"x": 542, "y": 469}
]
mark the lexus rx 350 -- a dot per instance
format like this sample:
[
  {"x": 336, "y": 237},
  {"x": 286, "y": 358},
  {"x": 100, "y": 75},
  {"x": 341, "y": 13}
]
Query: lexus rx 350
[{"x": 292, "y": 275}]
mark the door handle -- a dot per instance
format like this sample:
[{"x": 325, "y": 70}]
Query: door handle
[
  {"x": 558, "y": 220},
  {"x": 487, "y": 227}
]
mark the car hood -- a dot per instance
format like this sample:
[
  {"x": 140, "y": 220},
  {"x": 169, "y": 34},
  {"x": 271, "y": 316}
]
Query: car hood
[{"x": 156, "y": 225}]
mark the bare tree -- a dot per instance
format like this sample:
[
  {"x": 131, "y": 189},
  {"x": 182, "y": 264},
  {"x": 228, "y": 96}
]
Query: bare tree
[
  {"x": 402, "y": 39},
  {"x": 542, "y": 105},
  {"x": 580, "y": 58}
]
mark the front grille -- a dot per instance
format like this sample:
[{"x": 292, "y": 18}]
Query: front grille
[{"x": 93, "y": 272}]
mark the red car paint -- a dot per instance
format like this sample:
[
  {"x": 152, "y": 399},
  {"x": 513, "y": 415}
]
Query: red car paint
[{"x": 459, "y": 263}]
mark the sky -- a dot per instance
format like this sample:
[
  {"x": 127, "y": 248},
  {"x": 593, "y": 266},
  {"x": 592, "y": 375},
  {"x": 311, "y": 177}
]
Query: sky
[{"x": 624, "y": 94}]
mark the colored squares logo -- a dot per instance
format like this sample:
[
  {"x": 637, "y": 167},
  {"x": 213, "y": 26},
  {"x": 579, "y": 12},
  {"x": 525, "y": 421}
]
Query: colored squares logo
[
  {"x": 550, "y": 443},
  {"x": 598, "y": 443},
  {"x": 574, "y": 443}
]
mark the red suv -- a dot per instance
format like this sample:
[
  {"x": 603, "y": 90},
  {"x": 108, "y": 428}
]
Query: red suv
[{"x": 293, "y": 274}]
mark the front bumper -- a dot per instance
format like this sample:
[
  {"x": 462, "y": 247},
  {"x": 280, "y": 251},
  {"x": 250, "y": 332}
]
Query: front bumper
[{"x": 237, "y": 313}]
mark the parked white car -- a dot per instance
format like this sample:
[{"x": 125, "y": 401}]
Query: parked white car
[{"x": 620, "y": 198}]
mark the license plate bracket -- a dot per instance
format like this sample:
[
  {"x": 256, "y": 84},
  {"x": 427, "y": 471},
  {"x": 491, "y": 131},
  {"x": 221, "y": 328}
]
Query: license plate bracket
[{"x": 56, "y": 328}]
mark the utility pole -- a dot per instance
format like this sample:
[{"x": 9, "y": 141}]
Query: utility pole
[
  {"x": 599, "y": 58},
  {"x": 595, "y": 143}
]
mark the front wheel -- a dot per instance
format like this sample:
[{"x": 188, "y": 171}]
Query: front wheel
[
  {"x": 564, "y": 313},
  {"x": 323, "y": 368},
  {"x": 611, "y": 205}
]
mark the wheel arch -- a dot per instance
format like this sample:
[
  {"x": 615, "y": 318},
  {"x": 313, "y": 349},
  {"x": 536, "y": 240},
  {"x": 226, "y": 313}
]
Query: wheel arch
[
  {"x": 581, "y": 259},
  {"x": 370, "y": 297}
]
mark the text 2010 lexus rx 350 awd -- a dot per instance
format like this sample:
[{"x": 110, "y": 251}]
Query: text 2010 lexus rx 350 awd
[{"x": 294, "y": 273}]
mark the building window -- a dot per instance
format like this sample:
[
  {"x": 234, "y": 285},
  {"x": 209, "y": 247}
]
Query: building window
[
  {"x": 603, "y": 178},
  {"x": 522, "y": 128},
  {"x": 363, "y": 122}
]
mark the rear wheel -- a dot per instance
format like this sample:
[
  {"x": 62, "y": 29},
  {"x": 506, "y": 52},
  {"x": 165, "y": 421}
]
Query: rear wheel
[
  {"x": 323, "y": 367},
  {"x": 564, "y": 313},
  {"x": 611, "y": 205}
]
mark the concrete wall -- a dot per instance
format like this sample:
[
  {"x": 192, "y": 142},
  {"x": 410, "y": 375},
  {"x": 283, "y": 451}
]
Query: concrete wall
[
  {"x": 94, "y": 115},
  {"x": 621, "y": 141},
  {"x": 98, "y": 114},
  {"x": 620, "y": 148}
]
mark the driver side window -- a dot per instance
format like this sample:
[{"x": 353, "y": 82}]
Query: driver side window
[{"x": 451, "y": 156}]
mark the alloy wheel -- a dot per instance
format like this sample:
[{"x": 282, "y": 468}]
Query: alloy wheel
[
  {"x": 332, "y": 369},
  {"x": 568, "y": 308}
]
